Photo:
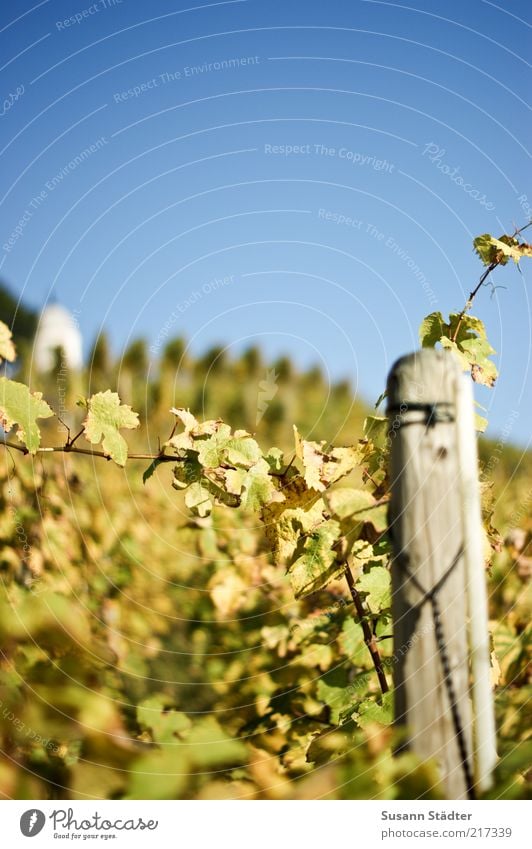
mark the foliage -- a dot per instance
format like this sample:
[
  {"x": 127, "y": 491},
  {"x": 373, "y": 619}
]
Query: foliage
[
  {"x": 177, "y": 649},
  {"x": 106, "y": 416}
]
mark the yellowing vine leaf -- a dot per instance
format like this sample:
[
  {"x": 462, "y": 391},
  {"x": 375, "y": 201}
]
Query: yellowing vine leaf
[
  {"x": 359, "y": 506},
  {"x": 498, "y": 251},
  {"x": 317, "y": 564},
  {"x": 7, "y": 348},
  {"x": 21, "y": 407},
  {"x": 321, "y": 467},
  {"x": 466, "y": 336},
  {"x": 369, "y": 711},
  {"x": 105, "y": 418},
  {"x": 376, "y": 583}
]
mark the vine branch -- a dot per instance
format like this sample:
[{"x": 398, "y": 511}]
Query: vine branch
[
  {"x": 369, "y": 637},
  {"x": 70, "y": 448},
  {"x": 474, "y": 292}
]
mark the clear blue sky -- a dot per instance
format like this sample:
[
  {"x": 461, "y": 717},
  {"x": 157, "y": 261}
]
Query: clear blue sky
[{"x": 305, "y": 154}]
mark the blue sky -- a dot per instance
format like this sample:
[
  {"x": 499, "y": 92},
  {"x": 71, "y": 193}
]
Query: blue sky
[{"x": 285, "y": 174}]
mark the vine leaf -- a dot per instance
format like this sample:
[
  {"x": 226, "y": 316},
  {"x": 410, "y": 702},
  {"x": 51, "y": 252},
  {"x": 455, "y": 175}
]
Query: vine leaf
[
  {"x": 466, "y": 336},
  {"x": 376, "y": 583},
  {"x": 431, "y": 330},
  {"x": 105, "y": 419},
  {"x": 339, "y": 694},
  {"x": 499, "y": 251},
  {"x": 257, "y": 487},
  {"x": 321, "y": 467},
  {"x": 164, "y": 724},
  {"x": 284, "y": 527},
  {"x": 21, "y": 407},
  {"x": 7, "y": 348},
  {"x": 197, "y": 499},
  {"x": 369, "y": 711},
  {"x": 358, "y": 505},
  {"x": 146, "y": 475},
  {"x": 317, "y": 564}
]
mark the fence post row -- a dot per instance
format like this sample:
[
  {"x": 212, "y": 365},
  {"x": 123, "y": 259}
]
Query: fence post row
[{"x": 441, "y": 640}]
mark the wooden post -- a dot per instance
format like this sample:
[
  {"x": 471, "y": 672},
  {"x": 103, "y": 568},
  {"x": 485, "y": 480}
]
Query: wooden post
[
  {"x": 431, "y": 668},
  {"x": 484, "y": 739}
]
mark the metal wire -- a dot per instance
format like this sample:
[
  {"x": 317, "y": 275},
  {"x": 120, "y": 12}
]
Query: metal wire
[{"x": 431, "y": 596}]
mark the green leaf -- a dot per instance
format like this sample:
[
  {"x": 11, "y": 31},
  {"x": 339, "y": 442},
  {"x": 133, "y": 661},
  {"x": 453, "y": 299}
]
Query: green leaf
[
  {"x": 448, "y": 345},
  {"x": 485, "y": 249},
  {"x": 165, "y": 725},
  {"x": 481, "y": 423},
  {"x": 242, "y": 451},
  {"x": 21, "y": 407},
  {"x": 317, "y": 564},
  {"x": 509, "y": 247},
  {"x": 209, "y": 747},
  {"x": 158, "y": 774},
  {"x": 284, "y": 525},
  {"x": 353, "y": 645},
  {"x": 471, "y": 346},
  {"x": 211, "y": 451},
  {"x": 275, "y": 459},
  {"x": 257, "y": 487},
  {"x": 376, "y": 583},
  {"x": 187, "y": 471},
  {"x": 106, "y": 417},
  {"x": 191, "y": 424},
  {"x": 340, "y": 696},
  {"x": 376, "y": 428},
  {"x": 369, "y": 711},
  {"x": 483, "y": 370},
  {"x": 499, "y": 251},
  {"x": 151, "y": 469},
  {"x": 198, "y": 499},
  {"x": 7, "y": 348},
  {"x": 358, "y": 504},
  {"x": 321, "y": 467},
  {"x": 431, "y": 329},
  {"x": 470, "y": 326}
]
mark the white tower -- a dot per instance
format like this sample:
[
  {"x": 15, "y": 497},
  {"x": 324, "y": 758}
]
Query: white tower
[{"x": 57, "y": 329}]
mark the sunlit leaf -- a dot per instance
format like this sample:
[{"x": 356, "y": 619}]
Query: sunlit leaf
[
  {"x": 7, "y": 348},
  {"x": 106, "y": 417},
  {"x": 19, "y": 406}
]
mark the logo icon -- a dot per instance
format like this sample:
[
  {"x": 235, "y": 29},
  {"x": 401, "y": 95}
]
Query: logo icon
[{"x": 32, "y": 822}]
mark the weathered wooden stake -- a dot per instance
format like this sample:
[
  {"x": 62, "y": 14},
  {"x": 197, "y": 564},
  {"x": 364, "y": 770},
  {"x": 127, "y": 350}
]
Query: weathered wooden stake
[
  {"x": 429, "y": 580},
  {"x": 484, "y": 739}
]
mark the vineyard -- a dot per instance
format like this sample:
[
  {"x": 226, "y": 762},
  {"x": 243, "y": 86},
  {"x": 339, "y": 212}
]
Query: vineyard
[{"x": 185, "y": 609}]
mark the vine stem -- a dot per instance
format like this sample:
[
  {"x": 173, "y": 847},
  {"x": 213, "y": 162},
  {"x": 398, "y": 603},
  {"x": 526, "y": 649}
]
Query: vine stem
[
  {"x": 69, "y": 448},
  {"x": 369, "y": 637},
  {"x": 474, "y": 292}
]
